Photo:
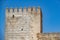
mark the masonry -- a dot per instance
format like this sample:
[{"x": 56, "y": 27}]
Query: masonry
[{"x": 23, "y": 23}]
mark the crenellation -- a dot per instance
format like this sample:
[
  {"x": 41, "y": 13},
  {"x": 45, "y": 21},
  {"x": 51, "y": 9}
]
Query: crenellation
[
  {"x": 15, "y": 10},
  {"x": 11, "y": 10},
  {"x": 20, "y": 10},
  {"x": 29, "y": 10},
  {"x": 34, "y": 12},
  {"x": 7, "y": 10},
  {"x": 25, "y": 10},
  {"x": 33, "y": 9},
  {"x": 38, "y": 10}
]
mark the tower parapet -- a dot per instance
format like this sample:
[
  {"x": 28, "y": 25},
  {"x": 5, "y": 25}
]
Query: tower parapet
[{"x": 15, "y": 10}]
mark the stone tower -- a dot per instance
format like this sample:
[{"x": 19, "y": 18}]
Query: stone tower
[{"x": 23, "y": 23}]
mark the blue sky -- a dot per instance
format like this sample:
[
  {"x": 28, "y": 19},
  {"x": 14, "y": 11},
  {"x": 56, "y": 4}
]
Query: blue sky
[{"x": 50, "y": 11}]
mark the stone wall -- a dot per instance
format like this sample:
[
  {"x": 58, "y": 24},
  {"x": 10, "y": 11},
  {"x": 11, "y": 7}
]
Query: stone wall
[
  {"x": 48, "y": 36},
  {"x": 22, "y": 23}
]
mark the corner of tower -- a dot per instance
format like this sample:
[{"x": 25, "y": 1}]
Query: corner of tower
[
  {"x": 33, "y": 9},
  {"x": 39, "y": 11},
  {"x": 29, "y": 9}
]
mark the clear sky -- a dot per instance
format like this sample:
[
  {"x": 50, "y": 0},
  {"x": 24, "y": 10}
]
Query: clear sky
[{"x": 50, "y": 12}]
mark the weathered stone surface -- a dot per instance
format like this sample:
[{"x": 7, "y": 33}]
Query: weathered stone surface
[
  {"x": 22, "y": 26},
  {"x": 48, "y": 36}
]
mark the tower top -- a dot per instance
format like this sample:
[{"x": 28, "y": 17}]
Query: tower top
[{"x": 29, "y": 9}]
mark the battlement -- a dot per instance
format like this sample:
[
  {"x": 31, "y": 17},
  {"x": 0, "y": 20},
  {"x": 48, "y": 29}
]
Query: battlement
[{"x": 16, "y": 10}]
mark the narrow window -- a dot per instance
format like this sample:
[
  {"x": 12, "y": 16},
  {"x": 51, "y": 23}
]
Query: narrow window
[
  {"x": 22, "y": 29},
  {"x": 13, "y": 16}
]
